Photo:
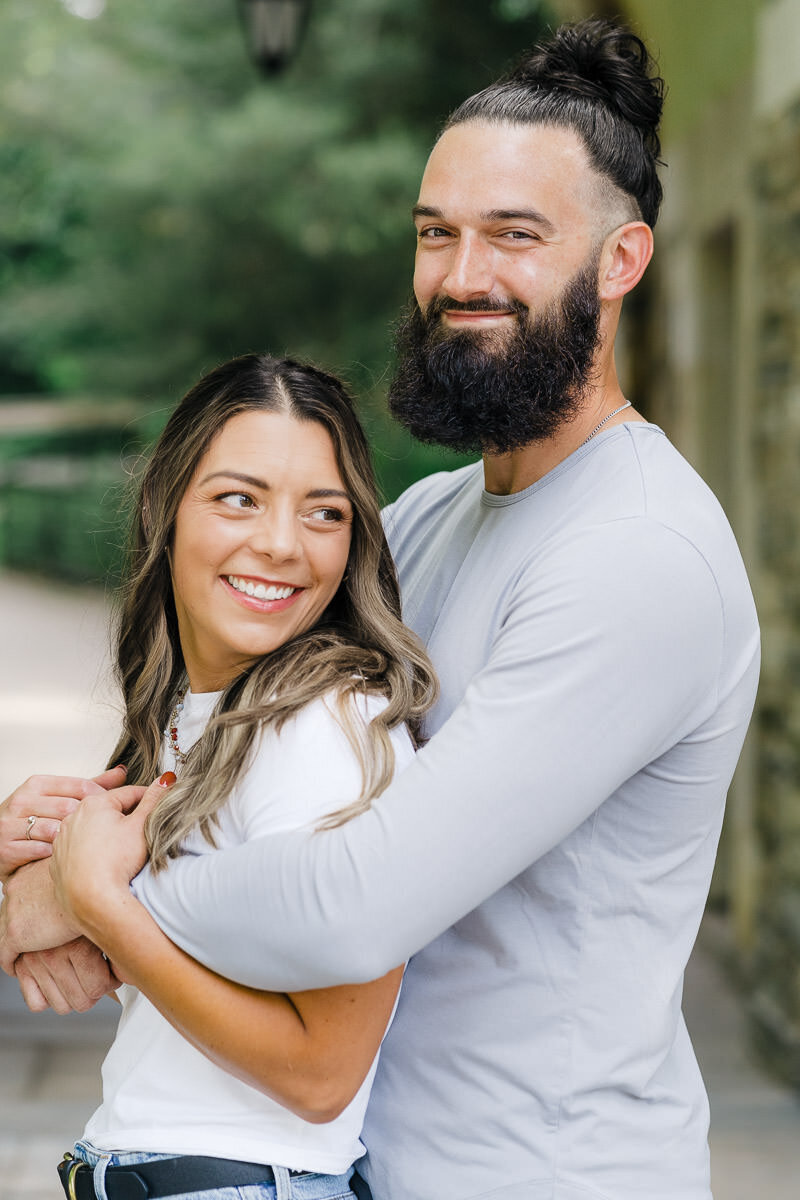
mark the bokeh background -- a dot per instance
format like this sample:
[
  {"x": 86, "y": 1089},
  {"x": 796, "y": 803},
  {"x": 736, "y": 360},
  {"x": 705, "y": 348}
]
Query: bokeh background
[{"x": 164, "y": 207}]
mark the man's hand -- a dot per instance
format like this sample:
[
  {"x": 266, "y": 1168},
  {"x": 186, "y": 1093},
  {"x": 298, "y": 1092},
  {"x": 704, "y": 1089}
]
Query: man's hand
[
  {"x": 48, "y": 799},
  {"x": 30, "y": 916},
  {"x": 70, "y": 978}
]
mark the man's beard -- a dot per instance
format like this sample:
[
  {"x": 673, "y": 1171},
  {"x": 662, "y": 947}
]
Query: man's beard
[{"x": 490, "y": 392}]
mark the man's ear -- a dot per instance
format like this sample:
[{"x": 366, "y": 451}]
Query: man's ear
[{"x": 626, "y": 253}]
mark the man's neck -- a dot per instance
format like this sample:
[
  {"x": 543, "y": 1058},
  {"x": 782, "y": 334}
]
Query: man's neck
[{"x": 505, "y": 474}]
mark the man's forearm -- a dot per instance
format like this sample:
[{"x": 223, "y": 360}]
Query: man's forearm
[{"x": 30, "y": 917}]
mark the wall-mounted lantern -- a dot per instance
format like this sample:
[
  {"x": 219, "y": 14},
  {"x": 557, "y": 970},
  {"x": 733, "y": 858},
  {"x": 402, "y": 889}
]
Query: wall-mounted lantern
[{"x": 274, "y": 30}]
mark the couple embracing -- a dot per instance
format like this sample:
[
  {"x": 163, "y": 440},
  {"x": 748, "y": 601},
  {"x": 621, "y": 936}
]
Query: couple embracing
[{"x": 434, "y": 930}]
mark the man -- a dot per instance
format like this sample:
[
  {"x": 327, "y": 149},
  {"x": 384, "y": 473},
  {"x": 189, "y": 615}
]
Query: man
[{"x": 545, "y": 861}]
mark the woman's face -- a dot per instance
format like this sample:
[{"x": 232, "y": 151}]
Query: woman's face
[{"x": 262, "y": 536}]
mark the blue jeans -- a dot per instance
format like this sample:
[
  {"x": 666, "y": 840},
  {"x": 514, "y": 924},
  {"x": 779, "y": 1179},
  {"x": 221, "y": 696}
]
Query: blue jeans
[{"x": 308, "y": 1186}]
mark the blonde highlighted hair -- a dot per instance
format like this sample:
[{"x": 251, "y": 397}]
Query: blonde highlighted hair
[{"x": 359, "y": 645}]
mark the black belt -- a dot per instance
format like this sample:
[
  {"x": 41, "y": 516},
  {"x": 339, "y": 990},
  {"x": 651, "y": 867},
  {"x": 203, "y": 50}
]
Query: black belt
[{"x": 162, "y": 1177}]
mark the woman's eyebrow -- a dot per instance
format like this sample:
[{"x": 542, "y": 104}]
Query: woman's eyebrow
[
  {"x": 251, "y": 481},
  {"x": 323, "y": 493},
  {"x": 248, "y": 479}
]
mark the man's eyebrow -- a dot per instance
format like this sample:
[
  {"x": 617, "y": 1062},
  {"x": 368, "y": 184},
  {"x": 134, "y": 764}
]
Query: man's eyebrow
[
  {"x": 425, "y": 210},
  {"x": 520, "y": 214},
  {"x": 493, "y": 214}
]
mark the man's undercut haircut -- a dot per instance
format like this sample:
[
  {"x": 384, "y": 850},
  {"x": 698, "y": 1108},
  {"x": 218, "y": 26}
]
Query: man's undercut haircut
[{"x": 597, "y": 79}]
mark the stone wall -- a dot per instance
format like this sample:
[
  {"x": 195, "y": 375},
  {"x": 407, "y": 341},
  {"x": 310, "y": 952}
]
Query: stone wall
[{"x": 775, "y": 969}]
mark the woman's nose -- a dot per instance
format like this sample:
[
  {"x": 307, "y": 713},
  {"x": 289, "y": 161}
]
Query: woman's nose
[{"x": 276, "y": 536}]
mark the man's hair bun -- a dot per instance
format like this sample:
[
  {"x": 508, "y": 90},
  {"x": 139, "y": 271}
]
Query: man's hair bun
[
  {"x": 597, "y": 79},
  {"x": 603, "y": 62}
]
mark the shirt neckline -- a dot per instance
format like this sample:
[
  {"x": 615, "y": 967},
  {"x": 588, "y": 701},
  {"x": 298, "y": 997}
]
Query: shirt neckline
[{"x": 493, "y": 500}]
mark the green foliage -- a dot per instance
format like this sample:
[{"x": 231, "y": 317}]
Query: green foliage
[{"x": 162, "y": 208}]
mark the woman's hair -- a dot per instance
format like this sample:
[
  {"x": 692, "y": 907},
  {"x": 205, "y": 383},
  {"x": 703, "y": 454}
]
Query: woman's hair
[
  {"x": 358, "y": 646},
  {"x": 597, "y": 79}
]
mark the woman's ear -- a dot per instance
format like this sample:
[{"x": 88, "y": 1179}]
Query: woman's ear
[{"x": 626, "y": 253}]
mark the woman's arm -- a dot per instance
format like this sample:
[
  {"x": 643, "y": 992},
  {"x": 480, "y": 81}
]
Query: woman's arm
[
  {"x": 310, "y": 1051},
  {"x": 31, "y": 815}
]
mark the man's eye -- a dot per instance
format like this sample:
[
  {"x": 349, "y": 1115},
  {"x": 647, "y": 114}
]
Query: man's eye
[
  {"x": 237, "y": 500},
  {"x": 431, "y": 233}
]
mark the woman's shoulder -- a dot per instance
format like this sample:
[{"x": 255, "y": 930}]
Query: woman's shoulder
[
  {"x": 326, "y": 718},
  {"x": 309, "y": 767}
]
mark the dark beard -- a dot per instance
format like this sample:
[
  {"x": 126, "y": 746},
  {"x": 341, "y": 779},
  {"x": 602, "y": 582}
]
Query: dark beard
[{"x": 489, "y": 392}]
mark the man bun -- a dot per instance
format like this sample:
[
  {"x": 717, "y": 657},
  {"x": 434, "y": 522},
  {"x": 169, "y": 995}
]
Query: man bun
[
  {"x": 602, "y": 62},
  {"x": 597, "y": 78}
]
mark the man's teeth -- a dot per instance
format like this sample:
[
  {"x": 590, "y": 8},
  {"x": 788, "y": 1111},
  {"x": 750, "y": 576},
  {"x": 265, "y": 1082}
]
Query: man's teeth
[{"x": 260, "y": 590}]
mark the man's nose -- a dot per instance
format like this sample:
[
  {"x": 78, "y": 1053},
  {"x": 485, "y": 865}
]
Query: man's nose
[{"x": 470, "y": 272}]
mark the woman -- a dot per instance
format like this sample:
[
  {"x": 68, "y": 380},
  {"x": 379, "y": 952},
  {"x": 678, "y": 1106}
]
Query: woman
[{"x": 263, "y": 662}]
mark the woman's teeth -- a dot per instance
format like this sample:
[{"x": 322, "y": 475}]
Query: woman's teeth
[{"x": 261, "y": 591}]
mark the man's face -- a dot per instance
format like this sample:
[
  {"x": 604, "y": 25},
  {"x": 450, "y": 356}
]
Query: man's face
[
  {"x": 499, "y": 348},
  {"x": 505, "y": 213}
]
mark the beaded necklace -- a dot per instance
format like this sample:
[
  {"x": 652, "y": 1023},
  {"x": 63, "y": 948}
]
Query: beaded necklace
[{"x": 174, "y": 716}]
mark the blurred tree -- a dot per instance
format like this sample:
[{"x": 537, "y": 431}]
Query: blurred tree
[{"x": 162, "y": 209}]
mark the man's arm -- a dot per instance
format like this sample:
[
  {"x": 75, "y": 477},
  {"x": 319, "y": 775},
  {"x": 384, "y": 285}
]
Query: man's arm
[
  {"x": 592, "y": 678},
  {"x": 54, "y": 967},
  {"x": 30, "y": 916}
]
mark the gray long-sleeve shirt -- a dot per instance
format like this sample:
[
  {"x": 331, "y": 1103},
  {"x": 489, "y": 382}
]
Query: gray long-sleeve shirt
[{"x": 547, "y": 856}]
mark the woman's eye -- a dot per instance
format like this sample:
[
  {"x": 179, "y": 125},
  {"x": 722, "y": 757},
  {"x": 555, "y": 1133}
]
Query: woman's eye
[
  {"x": 238, "y": 500},
  {"x": 327, "y": 515}
]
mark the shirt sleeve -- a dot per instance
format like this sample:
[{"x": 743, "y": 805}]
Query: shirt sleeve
[{"x": 609, "y": 654}]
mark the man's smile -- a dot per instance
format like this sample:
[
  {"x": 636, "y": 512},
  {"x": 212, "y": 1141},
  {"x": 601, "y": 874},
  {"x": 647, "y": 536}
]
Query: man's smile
[{"x": 459, "y": 317}]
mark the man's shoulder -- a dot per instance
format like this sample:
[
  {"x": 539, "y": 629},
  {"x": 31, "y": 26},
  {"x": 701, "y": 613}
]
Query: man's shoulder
[{"x": 432, "y": 491}]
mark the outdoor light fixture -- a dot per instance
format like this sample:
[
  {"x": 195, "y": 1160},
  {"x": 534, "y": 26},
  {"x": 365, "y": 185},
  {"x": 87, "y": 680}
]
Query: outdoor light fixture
[{"x": 273, "y": 29}]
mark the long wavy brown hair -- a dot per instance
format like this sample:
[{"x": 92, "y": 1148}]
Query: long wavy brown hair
[{"x": 358, "y": 646}]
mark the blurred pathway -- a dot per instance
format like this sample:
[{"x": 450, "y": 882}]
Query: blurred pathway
[
  {"x": 57, "y": 714},
  {"x": 56, "y": 702}
]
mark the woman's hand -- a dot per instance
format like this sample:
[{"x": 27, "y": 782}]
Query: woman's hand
[
  {"x": 99, "y": 849},
  {"x": 32, "y": 916},
  {"x": 31, "y": 816}
]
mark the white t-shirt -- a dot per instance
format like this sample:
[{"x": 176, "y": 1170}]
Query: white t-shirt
[{"x": 162, "y": 1095}]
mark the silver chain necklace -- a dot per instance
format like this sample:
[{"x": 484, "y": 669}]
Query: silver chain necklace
[{"x": 597, "y": 428}]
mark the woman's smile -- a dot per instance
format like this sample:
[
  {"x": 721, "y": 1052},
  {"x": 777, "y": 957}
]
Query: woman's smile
[{"x": 264, "y": 594}]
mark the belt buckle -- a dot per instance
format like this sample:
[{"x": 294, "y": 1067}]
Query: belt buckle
[{"x": 75, "y": 1165}]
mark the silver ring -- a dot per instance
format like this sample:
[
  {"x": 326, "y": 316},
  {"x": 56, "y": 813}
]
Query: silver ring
[{"x": 31, "y": 822}]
